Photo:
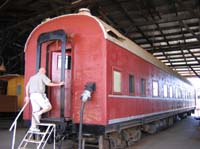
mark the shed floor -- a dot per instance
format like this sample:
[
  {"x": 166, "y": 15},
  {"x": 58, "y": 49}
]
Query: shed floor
[{"x": 185, "y": 134}]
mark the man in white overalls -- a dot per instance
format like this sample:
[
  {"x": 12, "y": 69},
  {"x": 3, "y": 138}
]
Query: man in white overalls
[{"x": 35, "y": 91}]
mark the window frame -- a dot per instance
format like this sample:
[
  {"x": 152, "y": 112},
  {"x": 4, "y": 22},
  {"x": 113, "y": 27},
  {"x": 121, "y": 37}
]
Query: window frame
[
  {"x": 165, "y": 90},
  {"x": 133, "y": 84},
  {"x": 113, "y": 81},
  {"x": 153, "y": 82},
  {"x": 170, "y": 91},
  {"x": 143, "y": 88},
  {"x": 176, "y": 93},
  {"x": 68, "y": 60}
]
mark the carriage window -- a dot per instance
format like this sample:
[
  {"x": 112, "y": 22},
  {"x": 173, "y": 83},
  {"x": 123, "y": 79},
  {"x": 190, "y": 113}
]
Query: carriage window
[
  {"x": 179, "y": 93},
  {"x": 116, "y": 81},
  {"x": 3, "y": 87},
  {"x": 155, "y": 88},
  {"x": 170, "y": 92},
  {"x": 67, "y": 62},
  {"x": 186, "y": 95},
  {"x": 190, "y": 95},
  {"x": 18, "y": 90},
  {"x": 183, "y": 93},
  {"x": 131, "y": 84},
  {"x": 176, "y": 93},
  {"x": 165, "y": 90},
  {"x": 143, "y": 87}
]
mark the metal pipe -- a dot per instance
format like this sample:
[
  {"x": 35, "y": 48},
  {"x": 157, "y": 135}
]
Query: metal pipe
[
  {"x": 14, "y": 124},
  {"x": 18, "y": 115},
  {"x": 81, "y": 125}
]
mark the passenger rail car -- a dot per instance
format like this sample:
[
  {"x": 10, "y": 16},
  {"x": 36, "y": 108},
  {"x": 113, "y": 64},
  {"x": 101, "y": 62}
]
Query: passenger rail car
[{"x": 134, "y": 91}]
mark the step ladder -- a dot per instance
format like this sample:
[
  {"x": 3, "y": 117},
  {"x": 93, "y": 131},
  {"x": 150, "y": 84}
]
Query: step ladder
[{"x": 38, "y": 140}]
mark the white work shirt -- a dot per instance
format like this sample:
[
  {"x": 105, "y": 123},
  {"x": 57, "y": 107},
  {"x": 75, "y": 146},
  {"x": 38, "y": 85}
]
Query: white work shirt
[{"x": 37, "y": 83}]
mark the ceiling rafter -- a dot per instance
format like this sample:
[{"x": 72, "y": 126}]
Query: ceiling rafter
[
  {"x": 167, "y": 29},
  {"x": 183, "y": 54},
  {"x": 131, "y": 20},
  {"x": 183, "y": 24}
]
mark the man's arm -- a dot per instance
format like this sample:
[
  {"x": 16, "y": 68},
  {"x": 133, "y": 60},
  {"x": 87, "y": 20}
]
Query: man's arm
[
  {"x": 48, "y": 82},
  {"x": 55, "y": 84}
]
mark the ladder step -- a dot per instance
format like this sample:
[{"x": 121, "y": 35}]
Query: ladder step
[
  {"x": 42, "y": 139},
  {"x": 35, "y": 132},
  {"x": 46, "y": 124},
  {"x": 32, "y": 141}
]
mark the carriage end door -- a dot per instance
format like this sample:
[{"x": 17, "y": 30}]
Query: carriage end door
[{"x": 54, "y": 91}]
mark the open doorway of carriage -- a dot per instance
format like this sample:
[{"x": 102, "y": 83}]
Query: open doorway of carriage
[
  {"x": 54, "y": 71},
  {"x": 54, "y": 54}
]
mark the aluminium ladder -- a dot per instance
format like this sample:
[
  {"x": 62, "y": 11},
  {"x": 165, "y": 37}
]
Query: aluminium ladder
[{"x": 38, "y": 139}]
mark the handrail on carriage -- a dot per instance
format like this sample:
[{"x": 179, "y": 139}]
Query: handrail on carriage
[{"x": 14, "y": 124}]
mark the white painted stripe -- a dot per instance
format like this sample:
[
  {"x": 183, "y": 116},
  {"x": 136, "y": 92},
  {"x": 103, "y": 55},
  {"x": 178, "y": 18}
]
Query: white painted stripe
[
  {"x": 146, "y": 97},
  {"x": 141, "y": 116}
]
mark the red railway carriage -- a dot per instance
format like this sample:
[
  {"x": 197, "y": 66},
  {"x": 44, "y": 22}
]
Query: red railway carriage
[{"x": 133, "y": 89}]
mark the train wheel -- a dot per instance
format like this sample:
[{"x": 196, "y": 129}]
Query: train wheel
[
  {"x": 170, "y": 121},
  {"x": 131, "y": 135},
  {"x": 116, "y": 141},
  {"x": 104, "y": 143},
  {"x": 150, "y": 128},
  {"x": 188, "y": 113},
  {"x": 182, "y": 116}
]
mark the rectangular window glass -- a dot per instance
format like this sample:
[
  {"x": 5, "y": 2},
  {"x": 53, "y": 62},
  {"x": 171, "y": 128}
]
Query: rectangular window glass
[
  {"x": 170, "y": 92},
  {"x": 183, "y": 93},
  {"x": 131, "y": 84},
  {"x": 143, "y": 87},
  {"x": 18, "y": 90},
  {"x": 155, "y": 88},
  {"x": 67, "y": 62},
  {"x": 165, "y": 90},
  {"x": 179, "y": 93},
  {"x": 3, "y": 87},
  {"x": 116, "y": 81},
  {"x": 176, "y": 93}
]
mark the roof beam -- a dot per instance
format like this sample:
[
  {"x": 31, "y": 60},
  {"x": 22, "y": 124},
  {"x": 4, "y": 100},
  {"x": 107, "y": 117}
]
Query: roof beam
[
  {"x": 185, "y": 25},
  {"x": 175, "y": 54},
  {"x": 183, "y": 65},
  {"x": 159, "y": 40},
  {"x": 191, "y": 45},
  {"x": 131, "y": 20},
  {"x": 157, "y": 25}
]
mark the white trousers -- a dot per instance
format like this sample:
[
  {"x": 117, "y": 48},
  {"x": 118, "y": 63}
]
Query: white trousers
[{"x": 38, "y": 101}]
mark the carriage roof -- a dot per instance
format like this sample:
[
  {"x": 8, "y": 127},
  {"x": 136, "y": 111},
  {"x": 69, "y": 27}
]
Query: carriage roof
[{"x": 114, "y": 36}]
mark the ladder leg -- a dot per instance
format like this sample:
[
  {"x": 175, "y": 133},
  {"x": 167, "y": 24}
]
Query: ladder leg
[
  {"x": 38, "y": 137},
  {"x": 30, "y": 136},
  {"x": 100, "y": 142},
  {"x": 14, "y": 133},
  {"x": 83, "y": 143},
  {"x": 41, "y": 137},
  {"x": 54, "y": 137},
  {"x": 25, "y": 143}
]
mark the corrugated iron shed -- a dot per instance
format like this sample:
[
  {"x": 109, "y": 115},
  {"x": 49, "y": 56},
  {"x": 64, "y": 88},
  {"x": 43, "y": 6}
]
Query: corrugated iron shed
[{"x": 168, "y": 29}]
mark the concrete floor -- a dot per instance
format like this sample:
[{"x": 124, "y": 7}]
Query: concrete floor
[
  {"x": 6, "y": 140},
  {"x": 184, "y": 134}
]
